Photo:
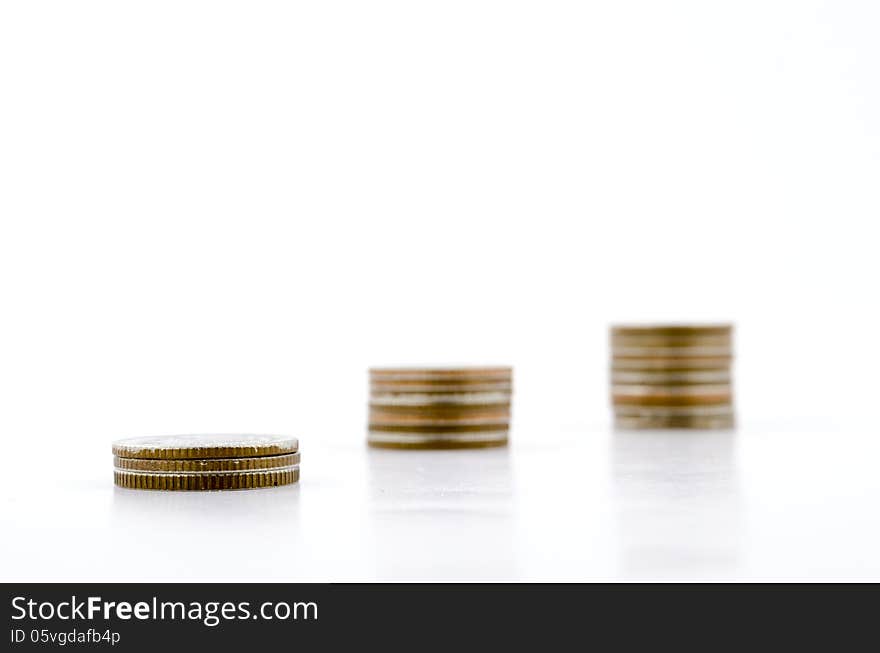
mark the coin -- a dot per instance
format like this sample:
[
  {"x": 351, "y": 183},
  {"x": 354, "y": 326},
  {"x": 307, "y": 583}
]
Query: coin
[
  {"x": 439, "y": 413},
  {"x": 176, "y": 447},
  {"x": 672, "y": 330},
  {"x": 672, "y": 341},
  {"x": 461, "y": 423},
  {"x": 442, "y": 387},
  {"x": 678, "y": 395},
  {"x": 683, "y": 353},
  {"x": 417, "y": 440},
  {"x": 431, "y": 429},
  {"x": 710, "y": 410},
  {"x": 671, "y": 364},
  {"x": 209, "y": 465},
  {"x": 646, "y": 337},
  {"x": 670, "y": 378},
  {"x": 682, "y": 422},
  {"x": 441, "y": 374},
  {"x": 206, "y": 481},
  {"x": 438, "y": 398}
]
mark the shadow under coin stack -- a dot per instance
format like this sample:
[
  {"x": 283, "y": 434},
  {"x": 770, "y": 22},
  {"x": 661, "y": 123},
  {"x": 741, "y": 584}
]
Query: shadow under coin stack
[
  {"x": 205, "y": 462},
  {"x": 673, "y": 376},
  {"x": 439, "y": 408}
]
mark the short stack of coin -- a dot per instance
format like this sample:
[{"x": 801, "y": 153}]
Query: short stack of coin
[
  {"x": 205, "y": 462},
  {"x": 439, "y": 408},
  {"x": 672, "y": 376}
]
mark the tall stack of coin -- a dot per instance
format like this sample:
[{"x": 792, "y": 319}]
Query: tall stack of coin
[
  {"x": 205, "y": 462},
  {"x": 672, "y": 376},
  {"x": 439, "y": 408}
]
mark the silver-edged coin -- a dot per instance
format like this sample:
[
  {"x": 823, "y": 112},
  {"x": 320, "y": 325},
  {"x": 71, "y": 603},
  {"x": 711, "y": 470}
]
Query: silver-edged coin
[{"x": 203, "y": 446}]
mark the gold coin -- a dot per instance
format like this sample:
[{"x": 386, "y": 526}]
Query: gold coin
[
  {"x": 672, "y": 399},
  {"x": 682, "y": 353},
  {"x": 440, "y": 411},
  {"x": 671, "y": 336},
  {"x": 439, "y": 429},
  {"x": 177, "y": 447},
  {"x": 670, "y": 364},
  {"x": 492, "y": 421},
  {"x": 711, "y": 410},
  {"x": 672, "y": 330},
  {"x": 442, "y": 375},
  {"x": 670, "y": 378},
  {"x": 441, "y": 387},
  {"x": 681, "y": 422},
  {"x": 652, "y": 341},
  {"x": 210, "y": 465},
  {"x": 699, "y": 392},
  {"x": 414, "y": 440},
  {"x": 206, "y": 481},
  {"x": 438, "y": 398}
]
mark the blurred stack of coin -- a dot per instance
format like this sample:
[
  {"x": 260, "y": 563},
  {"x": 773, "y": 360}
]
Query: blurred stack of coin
[
  {"x": 439, "y": 408},
  {"x": 672, "y": 376},
  {"x": 205, "y": 462}
]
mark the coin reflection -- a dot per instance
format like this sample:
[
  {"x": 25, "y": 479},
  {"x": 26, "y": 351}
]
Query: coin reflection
[
  {"x": 442, "y": 514},
  {"x": 677, "y": 501}
]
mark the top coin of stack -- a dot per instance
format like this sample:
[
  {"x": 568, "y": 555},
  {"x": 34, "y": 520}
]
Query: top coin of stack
[
  {"x": 439, "y": 408},
  {"x": 672, "y": 376},
  {"x": 205, "y": 462}
]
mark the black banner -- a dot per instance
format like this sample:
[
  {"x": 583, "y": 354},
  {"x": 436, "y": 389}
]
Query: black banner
[{"x": 205, "y": 617}]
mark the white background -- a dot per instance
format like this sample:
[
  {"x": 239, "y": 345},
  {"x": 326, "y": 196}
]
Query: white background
[{"x": 216, "y": 215}]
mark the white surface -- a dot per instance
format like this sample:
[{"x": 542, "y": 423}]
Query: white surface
[
  {"x": 214, "y": 216},
  {"x": 763, "y": 503}
]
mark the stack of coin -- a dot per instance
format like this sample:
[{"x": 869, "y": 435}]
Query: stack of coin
[
  {"x": 439, "y": 408},
  {"x": 672, "y": 376},
  {"x": 205, "y": 462}
]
